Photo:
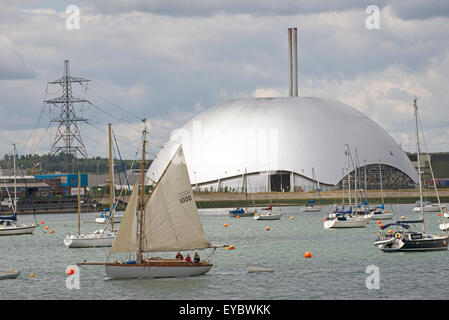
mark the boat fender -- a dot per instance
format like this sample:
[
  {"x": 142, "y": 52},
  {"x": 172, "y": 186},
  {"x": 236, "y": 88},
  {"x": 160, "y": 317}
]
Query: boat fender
[
  {"x": 131, "y": 262},
  {"x": 397, "y": 235}
]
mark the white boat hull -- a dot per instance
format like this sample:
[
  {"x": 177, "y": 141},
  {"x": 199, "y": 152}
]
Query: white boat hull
[
  {"x": 156, "y": 270},
  {"x": 349, "y": 223},
  {"x": 428, "y": 208},
  {"x": 311, "y": 209},
  {"x": 89, "y": 240},
  {"x": 12, "y": 274},
  {"x": 268, "y": 216},
  {"x": 16, "y": 230},
  {"x": 382, "y": 216}
]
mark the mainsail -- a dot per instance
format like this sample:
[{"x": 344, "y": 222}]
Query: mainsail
[
  {"x": 126, "y": 238},
  {"x": 171, "y": 220}
]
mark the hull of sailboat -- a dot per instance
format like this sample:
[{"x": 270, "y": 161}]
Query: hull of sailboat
[
  {"x": 348, "y": 223},
  {"x": 244, "y": 214},
  {"x": 117, "y": 219},
  {"x": 311, "y": 209},
  {"x": 428, "y": 208},
  {"x": 267, "y": 216},
  {"x": 89, "y": 240},
  {"x": 12, "y": 274},
  {"x": 156, "y": 269},
  {"x": 17, "y": 230},
  {"x": 382, "y": 216}
]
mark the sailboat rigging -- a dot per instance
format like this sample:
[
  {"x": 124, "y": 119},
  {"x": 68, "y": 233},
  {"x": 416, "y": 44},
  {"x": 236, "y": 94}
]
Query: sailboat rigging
[
  {"x": 167, "y": 221},
  {"x": 404, "y": 239}
]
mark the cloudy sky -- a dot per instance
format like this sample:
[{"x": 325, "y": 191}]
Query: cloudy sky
[{"x": 168, "y": 60}]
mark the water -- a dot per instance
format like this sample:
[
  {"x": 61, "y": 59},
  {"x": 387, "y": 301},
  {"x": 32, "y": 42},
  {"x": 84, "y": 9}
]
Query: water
[{"x": 337, "y": 269}]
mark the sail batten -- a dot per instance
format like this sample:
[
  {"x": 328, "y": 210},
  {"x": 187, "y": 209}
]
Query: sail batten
[{"x": 171, "y": 218}]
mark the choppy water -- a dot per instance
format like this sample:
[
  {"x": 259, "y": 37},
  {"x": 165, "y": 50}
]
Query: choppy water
[{"x": 337, "y": 269}]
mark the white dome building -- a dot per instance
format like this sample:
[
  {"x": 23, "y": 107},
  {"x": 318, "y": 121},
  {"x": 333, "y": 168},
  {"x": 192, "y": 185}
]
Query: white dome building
[{"x": 287, "y": 144}]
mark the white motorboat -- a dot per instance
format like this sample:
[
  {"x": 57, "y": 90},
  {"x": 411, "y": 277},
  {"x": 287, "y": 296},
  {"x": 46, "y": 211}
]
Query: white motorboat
[
  {"x": 268, "y": 216},
  {"x": 98, "y": 238},
  {"x": 311, "y": 209},
  {"x": 259, "y": 269}
]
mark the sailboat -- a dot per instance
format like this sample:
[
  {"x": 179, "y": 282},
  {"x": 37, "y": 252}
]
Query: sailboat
[
  {"x": 379, "y": 213},
  {"x": 8, "y": 224},
  {"x": 168, "y": 220},
  {"x": 100, "y": 237},
  {"x": 310, "y": 204},
  {"x": 404, "y": 239},
  {"x": 243, "y": 212},
  {"x": 341, "y": 218},
  {"x": 267, "y": 213}
]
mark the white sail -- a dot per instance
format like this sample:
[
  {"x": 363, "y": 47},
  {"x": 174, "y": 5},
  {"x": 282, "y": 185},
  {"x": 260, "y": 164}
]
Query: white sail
[
  {"x": 171, "y": 220},
  {"x": 126, "y": 238}
]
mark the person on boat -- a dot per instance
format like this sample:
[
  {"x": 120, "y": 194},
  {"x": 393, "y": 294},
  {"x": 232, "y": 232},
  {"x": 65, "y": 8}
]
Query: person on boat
[
  {"x": 188, "y": 259},
  {"x": 196, "y": 257},
  {"x": 179, "y": 256}
]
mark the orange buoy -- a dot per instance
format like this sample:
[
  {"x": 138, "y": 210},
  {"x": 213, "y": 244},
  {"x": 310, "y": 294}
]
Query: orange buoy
[
  {"x": 267, "y": 228},
  {"x": 324, "y": 219},
  {"x": 307, "y": 255},
  {"x": 237, "y": 217},
  {"x": 381, "y": 225},
  {"x": 231, "y": 247},
  {"x": 52, "y": 231},
  {"x": 42, "y": 222},
  {"x": 374, "y": 232},
  {"x": 225, "y": 225},
  {"x": 402, "y": 217},
  {"x": 379, "y": 222},
  {"x": 46, "y": 227},
  {"x": 390, "y": 231},
  {"x": 292, "y": 218},
  {"x": 439, "y": 214},
  {"x": 32, "y": 275}
]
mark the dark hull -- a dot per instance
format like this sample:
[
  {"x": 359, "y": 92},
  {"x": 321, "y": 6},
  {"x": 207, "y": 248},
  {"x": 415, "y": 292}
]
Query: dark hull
[{"x": 425, "y": 245}]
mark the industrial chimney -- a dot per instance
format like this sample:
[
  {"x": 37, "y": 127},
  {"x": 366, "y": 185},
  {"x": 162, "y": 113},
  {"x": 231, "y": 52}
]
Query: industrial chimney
[{"x": 293, "y": 61}]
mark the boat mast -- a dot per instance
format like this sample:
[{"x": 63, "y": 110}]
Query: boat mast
[
  {"x": 139, "y": 253},
  {"x": 111, "y": 180},
  {"x": 349, "y": 176},
  {"x": 15, "y": 180},
  {"x": 381, "y": 188},
  {"x": 79, "y": 202},
  {"x": 415, "y": 108}
]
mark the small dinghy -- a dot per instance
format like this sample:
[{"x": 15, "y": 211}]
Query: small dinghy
[
  {"x": 12, "y": 274},
  {"x": 259, "y": 269}
]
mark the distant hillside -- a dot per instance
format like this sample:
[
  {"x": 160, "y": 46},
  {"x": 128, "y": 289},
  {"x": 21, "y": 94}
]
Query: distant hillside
[{"x": 33, "y": 164}]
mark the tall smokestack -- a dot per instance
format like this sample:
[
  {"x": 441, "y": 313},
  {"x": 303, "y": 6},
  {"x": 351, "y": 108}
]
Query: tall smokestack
[
  {"x": 290, "y": 63},
  {"x": 295, "y": 62}
]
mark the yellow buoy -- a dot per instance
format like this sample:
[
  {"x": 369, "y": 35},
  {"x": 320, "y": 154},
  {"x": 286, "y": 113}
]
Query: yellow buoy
[
  {"x": 32, "y": 275},
  {"x": 291, "y": 218}
]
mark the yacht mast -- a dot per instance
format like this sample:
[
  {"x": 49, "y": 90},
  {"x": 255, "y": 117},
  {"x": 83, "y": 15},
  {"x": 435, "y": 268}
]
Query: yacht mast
[
  {"x": 415, "y": 108},
  {"x": 111, "y": 180},
  {"x": 15, "y": 181},
  {"x": 142, "y": 194}
]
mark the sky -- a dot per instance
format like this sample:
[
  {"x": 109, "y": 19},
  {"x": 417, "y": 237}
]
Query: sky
[{"x": 166, "y": 61}]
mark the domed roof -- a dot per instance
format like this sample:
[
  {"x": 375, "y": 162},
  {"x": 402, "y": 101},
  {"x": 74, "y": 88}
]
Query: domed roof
[{"x": 292, "y": 134}]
